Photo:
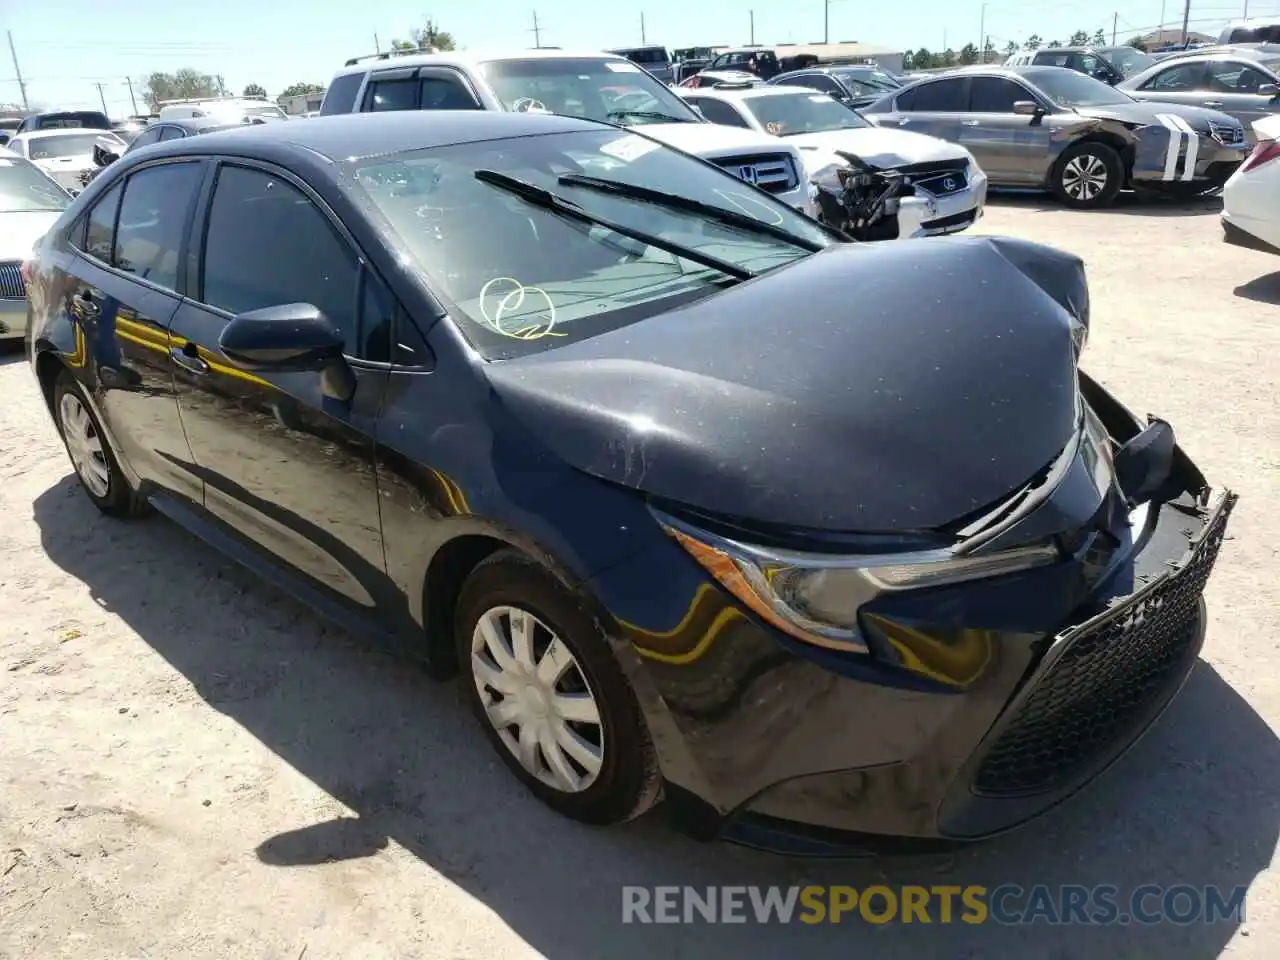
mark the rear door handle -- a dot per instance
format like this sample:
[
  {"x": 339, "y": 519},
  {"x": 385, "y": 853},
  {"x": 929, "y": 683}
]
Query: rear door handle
[
  {"x": 968, "y": 123},
  {"x": 188, "y": 358},
  {"x": 1212, "y": 103}
]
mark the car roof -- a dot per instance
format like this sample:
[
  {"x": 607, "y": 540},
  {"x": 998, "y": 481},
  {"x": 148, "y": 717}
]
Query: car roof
[
  {"x": 473, "y": 58},
  {"x": 353, "y": 136},
  {"x": 1029, "y": 71},
  {"x": 1227, "y": 53}
]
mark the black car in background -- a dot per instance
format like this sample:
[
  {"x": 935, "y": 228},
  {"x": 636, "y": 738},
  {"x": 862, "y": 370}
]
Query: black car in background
[
  {"x": 856, "y": 85},
  {"x": 63, "y": 119},
  {"x": 531, "y": 399}
]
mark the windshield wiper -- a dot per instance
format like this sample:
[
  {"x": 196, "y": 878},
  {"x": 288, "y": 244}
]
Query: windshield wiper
[
  {"x": 646, "y": 115},
  {"x": 531, "y": 193},
  {"x": 677, "y": 202}
]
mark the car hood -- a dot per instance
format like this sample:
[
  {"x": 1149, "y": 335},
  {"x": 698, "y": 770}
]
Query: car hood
[
  {"x": 712, "y": 139},
  {"x": 877, "y": 146},
  {"x": 876, "y": 387},
  {"x": 1147, "y": 112},
  {"x": 20, "y": 231}
]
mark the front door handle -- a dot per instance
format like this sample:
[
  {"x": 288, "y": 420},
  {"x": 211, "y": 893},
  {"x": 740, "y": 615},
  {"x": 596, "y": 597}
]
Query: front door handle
[
  {"x": 1212, "y": 103},
  {"x": 968, "y": 123},
  {"x": 188, "y": 358}
]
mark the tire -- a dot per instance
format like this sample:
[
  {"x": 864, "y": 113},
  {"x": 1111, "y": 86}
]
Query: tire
[
  {"x": 95, "y": 463},
  {"x": 510, "y": 587},
  {"x": 1088, "y": 176}
]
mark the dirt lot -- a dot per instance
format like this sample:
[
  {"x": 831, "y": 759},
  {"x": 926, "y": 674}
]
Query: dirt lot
[{"x": 192, "y": 765}]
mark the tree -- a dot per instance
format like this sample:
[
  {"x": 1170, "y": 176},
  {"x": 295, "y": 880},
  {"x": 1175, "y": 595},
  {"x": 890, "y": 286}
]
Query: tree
[
  {"x": 255, "y": 90},
  {"x": 184, "y": 84},
  {"x": 948, "y": 57},
  {"x": 1136, "y": 43},
  {"x": 1034, "y": 42},
  {"x": 298, "y": 89},
  {"x": 922, "y": 59},
  {"x": 1099, "y": 37},
  {"x": 989, "y": 52},
  {"x": 1053, "y": 44},
  {"x": 968, "y": 54},
  {"x": 1079, "y": 38},
  {"x": 429, "y": 36},
  {"x": 1010, "y": 48}
]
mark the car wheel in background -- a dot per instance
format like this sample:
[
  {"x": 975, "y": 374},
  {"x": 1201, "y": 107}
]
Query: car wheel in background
[
  {"x": 1087, "y": 176},
  {"x": 91, "y": 455},
  {"x": 550, "y": 695}
]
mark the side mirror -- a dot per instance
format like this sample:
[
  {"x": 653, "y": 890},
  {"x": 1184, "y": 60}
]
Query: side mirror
[
  {"x": 1028, "y": 108},
  {"x": 1269, "y": 89},
  {"x": 290, "y": 338}
]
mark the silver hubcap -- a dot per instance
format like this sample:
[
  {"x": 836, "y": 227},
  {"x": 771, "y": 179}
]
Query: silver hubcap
[
  {"x": 537, "y": 698},
  {"x": 1084, "y": 177},
  {"x": 84, "y": 444}
]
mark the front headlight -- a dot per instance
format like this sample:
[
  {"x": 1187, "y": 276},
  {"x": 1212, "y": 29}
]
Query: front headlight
[{"x": 816, "y": 597}]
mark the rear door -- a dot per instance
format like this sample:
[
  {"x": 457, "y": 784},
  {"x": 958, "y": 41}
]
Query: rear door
[
  {"x": 288, "y": 470},
  {"x": 1011, "y": 148},
  {"x": 131, "y": 248},
  {"x": 934, "y": 108}
]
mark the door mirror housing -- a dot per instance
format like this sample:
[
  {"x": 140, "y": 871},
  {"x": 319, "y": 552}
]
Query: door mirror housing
[
  {"x": 290, "y": 338},
  {"x": 1028, "y": 108},
  {"x": 1269, "y": 89}
]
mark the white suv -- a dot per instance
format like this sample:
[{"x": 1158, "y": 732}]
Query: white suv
[{"x": 595, "y": 86}]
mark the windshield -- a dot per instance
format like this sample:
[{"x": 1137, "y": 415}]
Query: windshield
[
  {"x": 1128, "y": 61},
  {"x": 521, "y": 279},
  {"x": 1067, "y": 88},
  {"x": 785, "y": 115},
  {"x": 24, "y": 189},
  {"x": 612, "y": 90},
  {"x": 869, "y": 77},
  {"x": 70, "y": 145}
]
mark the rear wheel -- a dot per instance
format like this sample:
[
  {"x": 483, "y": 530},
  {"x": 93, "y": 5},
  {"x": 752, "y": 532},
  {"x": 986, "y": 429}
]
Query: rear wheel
[
  {"x": 90, "y": 451},
  {"x": 551, "y": 697},
  {"x": 1088, "y": 176}
]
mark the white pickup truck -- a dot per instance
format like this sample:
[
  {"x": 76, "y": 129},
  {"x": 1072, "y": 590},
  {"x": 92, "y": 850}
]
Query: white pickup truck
[{"x": 597, "y": 86}]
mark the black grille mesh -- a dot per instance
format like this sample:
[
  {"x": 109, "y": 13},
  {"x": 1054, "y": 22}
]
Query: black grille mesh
[
  {"x": 11, "y": 285},
  {"x": 1112, "y": 670}
]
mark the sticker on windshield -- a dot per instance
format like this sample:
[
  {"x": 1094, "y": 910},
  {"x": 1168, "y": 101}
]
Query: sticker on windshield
[
  {"x": 622, "y": 66},
  {"x": 820, "y": 98},
  {"x": 629, "y": 147}
]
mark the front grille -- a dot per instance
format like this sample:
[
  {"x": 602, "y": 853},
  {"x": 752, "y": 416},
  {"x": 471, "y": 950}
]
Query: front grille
[
  {"x": 933, "y": 168},
  {"x": 11, "y": 285},
  {"x": 943, "y": 184},
  {"x": 772, "y": 172},
  {"x": 1113, "y": 670},
  {"x": 1229, "y": 134}
]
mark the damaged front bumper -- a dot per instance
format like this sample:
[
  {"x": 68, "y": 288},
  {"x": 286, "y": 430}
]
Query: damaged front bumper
[{"x": 1005, "y": 695}]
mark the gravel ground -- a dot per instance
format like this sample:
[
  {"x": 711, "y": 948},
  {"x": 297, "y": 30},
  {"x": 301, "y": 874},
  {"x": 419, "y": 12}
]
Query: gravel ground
[{"x": 193, "y": 765}]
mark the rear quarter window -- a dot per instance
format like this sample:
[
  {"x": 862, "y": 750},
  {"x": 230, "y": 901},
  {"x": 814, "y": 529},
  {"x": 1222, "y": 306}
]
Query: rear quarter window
[{"x": 341, "y": 95}]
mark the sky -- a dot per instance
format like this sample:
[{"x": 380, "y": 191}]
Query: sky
[{"x": 65, "y": 48}]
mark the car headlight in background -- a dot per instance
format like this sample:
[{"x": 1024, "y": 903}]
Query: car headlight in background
[{"x": 816, "y": 597}]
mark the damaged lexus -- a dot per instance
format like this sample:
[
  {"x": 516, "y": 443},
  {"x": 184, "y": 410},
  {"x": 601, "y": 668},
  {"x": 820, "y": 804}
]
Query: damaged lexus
[{"x": 821, "y": 544}]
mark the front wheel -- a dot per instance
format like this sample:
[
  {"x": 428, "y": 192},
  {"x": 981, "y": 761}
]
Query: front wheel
[
  {"x": 550, "y": 695},
  {"x": 1088, "y": 176},
  {"x": 90, "y": 451}
]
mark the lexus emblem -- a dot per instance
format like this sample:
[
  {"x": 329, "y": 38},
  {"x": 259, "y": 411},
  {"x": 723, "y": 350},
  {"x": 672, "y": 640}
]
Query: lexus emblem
[
  {"x": 747, "y": 173},
  {"x": 949, "y": 184}
]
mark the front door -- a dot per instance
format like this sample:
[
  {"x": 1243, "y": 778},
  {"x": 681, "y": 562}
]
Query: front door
[
  {"x": 288, "y": 470},
  {"x": 1011, "y": 148},
  {"x": 1232, "y": 87},
  {"x": 122, "y": 293}
]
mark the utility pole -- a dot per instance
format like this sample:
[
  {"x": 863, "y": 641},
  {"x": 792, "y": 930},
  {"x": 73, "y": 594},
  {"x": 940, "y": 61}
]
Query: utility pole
[
  {"x": 826, "y": 21},
  {"x": 132, "y": 98},
  {"x": 17, "y": 72},
  {"x": 537, "y": 31},
  {"x": 102, "y": 96},
  {"x": 377, "y": 45},
  {"x": 752, "y": 15},
  {"x": 1115, "y": 21},
  {"x": 1186, "y": 18},
  {"x": 643, "y": 39},
  {"x": 982, "y": 32}
]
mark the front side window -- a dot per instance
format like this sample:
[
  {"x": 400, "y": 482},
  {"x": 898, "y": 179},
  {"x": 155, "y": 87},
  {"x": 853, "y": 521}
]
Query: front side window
[
  {"x": 100, "y": 229},
  {"x": 24, "y": 189},
  {"x": 1235, "y": 77},
  {"x": 172, "y": 133},
  {"x": 1187, "y": 76},
  {"x": 585, "y": 87},
  {"x": 146, "y": 138},
  {"x": 267, "y": 244},
  {"x": 788, "y": 114},
  {"x": 995, "y": 95},
  {"x": 520, "y": 279},
  {"x": 152, "y": 221}
]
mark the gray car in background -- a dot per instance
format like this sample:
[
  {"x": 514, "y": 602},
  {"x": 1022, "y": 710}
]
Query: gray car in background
[
  {"x": 1054, "y": 129},
  {"x": 1240, "y": 81},
  {"x": 656, "y": 60}
]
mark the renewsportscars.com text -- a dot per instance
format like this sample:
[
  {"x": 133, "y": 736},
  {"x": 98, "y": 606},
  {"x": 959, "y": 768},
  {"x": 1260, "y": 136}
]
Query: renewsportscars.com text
[{"x": 1010, "y": 904}]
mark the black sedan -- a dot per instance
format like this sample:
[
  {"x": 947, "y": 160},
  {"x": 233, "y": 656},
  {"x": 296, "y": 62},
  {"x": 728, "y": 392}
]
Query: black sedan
[{"x": 812, "y": 538}]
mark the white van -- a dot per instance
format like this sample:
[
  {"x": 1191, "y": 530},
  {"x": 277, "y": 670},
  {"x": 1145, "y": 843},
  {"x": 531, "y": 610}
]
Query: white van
[{"x": 233, "y": 109}]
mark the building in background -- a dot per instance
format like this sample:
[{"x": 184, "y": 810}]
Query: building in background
[
  {"x": 845, "y": 51},
  {"x": 300, "y": 103},
  {"x": 1170, "y": 35}
]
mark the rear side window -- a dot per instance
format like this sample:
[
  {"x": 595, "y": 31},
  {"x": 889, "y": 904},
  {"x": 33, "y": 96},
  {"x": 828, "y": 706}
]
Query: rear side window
[
  {"x": 146, "y": 138},
  {"x": 153, "y": 219},
  {"x": 267, "y": 244},
  {"x": 101, "y": 226},
  {"x": 941, "y": 96},
  {"x": 994, "y": 95},
  {"x": 341, "y": 95},
  {"x": 385, "y": 95}
]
